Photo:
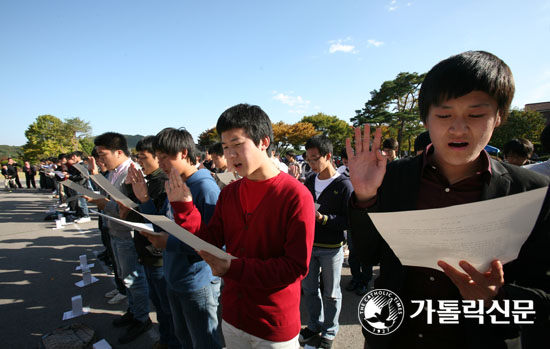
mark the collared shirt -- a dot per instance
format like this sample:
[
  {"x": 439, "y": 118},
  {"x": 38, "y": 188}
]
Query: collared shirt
[
  {"x": 425, "y": 283},
  {"x": 122, "y": 168}
]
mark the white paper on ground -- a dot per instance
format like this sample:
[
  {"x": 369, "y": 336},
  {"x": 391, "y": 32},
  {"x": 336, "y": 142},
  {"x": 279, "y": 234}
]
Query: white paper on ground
[
  {"x": 102, "y": 344},
  {"x": 147, "y": 227},
  {"x": 185, "y": 236},
  {"x": 112, "y": 191},
  {"x": 69, "y": 314},
  {"x": 478, "y": 232},
  {"x": 81, "y": 283},
  {"x": 89, "y": 266}
]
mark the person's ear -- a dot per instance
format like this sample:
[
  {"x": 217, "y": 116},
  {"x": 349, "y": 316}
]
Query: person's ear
[
  {"x": 264, "y": 143},
  {"x": 498, "y": 120}
]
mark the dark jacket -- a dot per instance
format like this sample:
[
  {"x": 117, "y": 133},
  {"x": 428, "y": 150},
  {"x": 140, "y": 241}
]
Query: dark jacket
[
  {"x": 334, "y": 204},
  {"x": 526, "y": 278},
  {"x": 147, "y": 254}
]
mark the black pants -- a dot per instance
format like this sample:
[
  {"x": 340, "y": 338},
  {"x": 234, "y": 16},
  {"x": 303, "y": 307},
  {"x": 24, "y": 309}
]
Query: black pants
[{"x": 30, "y": 180}]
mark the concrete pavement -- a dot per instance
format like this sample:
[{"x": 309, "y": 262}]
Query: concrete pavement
[{"x": 37, "y": 277}]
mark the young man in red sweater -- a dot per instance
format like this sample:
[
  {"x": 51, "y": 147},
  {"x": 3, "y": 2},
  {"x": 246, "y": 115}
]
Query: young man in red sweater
[{"x": 267, "y": 221}]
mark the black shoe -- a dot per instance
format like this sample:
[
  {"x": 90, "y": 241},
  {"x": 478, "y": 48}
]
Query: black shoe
[
  {"x": 307, "y": 335},
  {"x": 325, "y": 343},
  {"x": 352, "y": 286},
  {"x": 124, "y": 320},
  {"x": 136, "y": 329},
  {"x": 361, "y": 290}
]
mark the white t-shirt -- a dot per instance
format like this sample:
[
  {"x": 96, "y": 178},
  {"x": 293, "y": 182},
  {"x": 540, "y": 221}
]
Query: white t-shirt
[
  {"x": 343, "y": 170},
  {"x": 322, "y": 184}
]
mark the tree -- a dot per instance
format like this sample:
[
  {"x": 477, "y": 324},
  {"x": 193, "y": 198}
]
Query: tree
[
  {"x": 335, "y": 129},
  {"x": 286, "y": 136},
  {"x": 395, "y": 104},
  {"x": 209, "y": 137},
  {"x": 45, "y": 138},
  {"x": 520, "y": 124},
  {"x": 49, "y": 136},
  {"x": 77, "y": 129}
]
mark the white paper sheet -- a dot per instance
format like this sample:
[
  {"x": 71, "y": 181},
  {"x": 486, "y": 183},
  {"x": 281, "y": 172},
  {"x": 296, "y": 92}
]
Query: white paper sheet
[
  {"x": 185, "y": 236},
  {"x": 112, "y": 191},
  {"x": 69, "y": 314},
  {"x": 224, "y": 178},
  {"x": 83, "y": 283},
  {"x": 81, "y": 190},
  {"x": 147, "y": 227},
  {"x": 478, "y": 232},
  {"x": 102, "y": 344},
  {"x": 82, "y": 170}
]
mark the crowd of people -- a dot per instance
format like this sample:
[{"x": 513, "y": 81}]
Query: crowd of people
[{"x": 286, "y": 221}]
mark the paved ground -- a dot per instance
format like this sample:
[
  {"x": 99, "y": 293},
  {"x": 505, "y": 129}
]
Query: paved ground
[{"x": 37, "y": 278}]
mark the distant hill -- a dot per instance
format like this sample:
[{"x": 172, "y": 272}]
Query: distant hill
[
  {"x": 132, "y": 140},
  {"x": 9, "y": 150}
]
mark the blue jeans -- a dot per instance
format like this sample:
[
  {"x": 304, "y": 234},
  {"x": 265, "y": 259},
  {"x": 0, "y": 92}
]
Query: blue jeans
[
  {"x": 324, "y": 312},
  {"x": 82, "y": 208},
  {"x": 195, "y": 316},
  {"x": 133, "y": 276},
  {"x": 159, "y": 297},
  {"x": 360, "y": 273}
]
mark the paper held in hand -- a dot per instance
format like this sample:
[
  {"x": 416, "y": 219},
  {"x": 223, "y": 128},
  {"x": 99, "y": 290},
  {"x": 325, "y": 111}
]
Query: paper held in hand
[
  {"x": 81, "y": 190},
  {"x": 224, "y": 178},
  {"x": 185, "y": 236},
  {"x": 112, "y": 191},
  {"x": 478, "y": 232},
  {"x": 146, "y": 227},
  {"x": 82, "y": 170}
]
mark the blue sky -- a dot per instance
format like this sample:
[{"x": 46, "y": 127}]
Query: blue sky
[{"x": 136, "y": 67}]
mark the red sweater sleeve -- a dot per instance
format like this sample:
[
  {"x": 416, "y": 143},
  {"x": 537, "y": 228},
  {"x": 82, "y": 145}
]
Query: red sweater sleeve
[{"x": 188, "y": 217}]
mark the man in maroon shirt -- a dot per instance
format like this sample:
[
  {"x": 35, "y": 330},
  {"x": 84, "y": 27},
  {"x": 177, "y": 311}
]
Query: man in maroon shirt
[{"x": 462, "y": 100}]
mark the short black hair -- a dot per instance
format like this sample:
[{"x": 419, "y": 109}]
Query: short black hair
[
  {"x": 461, "y": 74},
  {"x": 519, "y": 146},
  {"x": 545, "y": 138},
  {"x": 251, "y": 118},
  {"x": 390, "y": 143},
  {"x": 422, "y": 141},
  {"x": 172, "y": 141},
  {"x": 321, "y": 142},
  {"x": 146, "y": 144},
  {"x": 216, "y": 148},
  {"x": 94, "y": 153},
  {"x": 77, "y": 153},
  {"x": 344, "y": 153},
  {"x": 291, "y": 154},
  {"x": 113, "y": 141},
  {"x": 59, "y": 157}
]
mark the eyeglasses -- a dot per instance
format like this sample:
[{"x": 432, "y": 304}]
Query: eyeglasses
[{"x": 309, "y": 161}]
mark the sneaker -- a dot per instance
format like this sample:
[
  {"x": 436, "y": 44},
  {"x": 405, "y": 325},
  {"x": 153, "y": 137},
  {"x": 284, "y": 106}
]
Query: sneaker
[
  {"x": 111, "y": 294},
  {"x": 307, "y": 335},
  {"x": 116, "y": 299},
  {"x": 361, "y": 290},
  {"x": 352, "y": 286},
  {"x": 135, "y": 329},
  {"x": 82, "y": 220},
  {"x": 325, "y": 343},
  {"x": 124, "y": 320}
]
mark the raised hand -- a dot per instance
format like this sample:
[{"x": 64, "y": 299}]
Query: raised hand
[
  {"x": 473, "y": 284},
  {"x": 367, "y": 167},
  {"x": 176, "y": 190},
  {"x": 92, "y": 166},
  {"x": 294, "y": 170},
  {"x": 135, "y": 177}
]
